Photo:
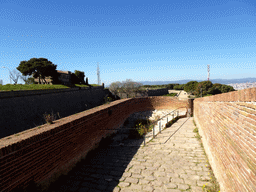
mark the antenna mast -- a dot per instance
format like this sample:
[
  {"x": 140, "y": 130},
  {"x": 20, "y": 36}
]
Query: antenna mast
[
  {"x": 208, "y": 69},
  {"x": 98, "y": 73}
]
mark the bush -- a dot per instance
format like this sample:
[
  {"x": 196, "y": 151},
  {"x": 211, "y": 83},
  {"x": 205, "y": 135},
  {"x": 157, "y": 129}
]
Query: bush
[
  {"x": 169, "y": 124},
  {"x": 141, "y": 128}
]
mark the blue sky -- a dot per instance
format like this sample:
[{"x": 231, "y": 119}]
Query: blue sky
[{"x": 139, "y": 40}]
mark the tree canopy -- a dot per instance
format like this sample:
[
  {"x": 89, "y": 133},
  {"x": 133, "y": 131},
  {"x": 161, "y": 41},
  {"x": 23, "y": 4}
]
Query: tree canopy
[
  {"x": 190, "y": 87},
  {"x": 80, "y": 75},
  {"x": 39, "y": 68},
  {"x": 179, "y": 87},
  {"x": 128, "y": 87},
  {"x": 203, "y": 87},
  {"x": 212, "y": 89}
]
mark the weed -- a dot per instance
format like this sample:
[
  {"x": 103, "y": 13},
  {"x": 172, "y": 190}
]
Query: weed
[
  {"x": 50, "y": 118},
  {"x": 142, "y": 127},
  {"x": 169, "y": 124}
]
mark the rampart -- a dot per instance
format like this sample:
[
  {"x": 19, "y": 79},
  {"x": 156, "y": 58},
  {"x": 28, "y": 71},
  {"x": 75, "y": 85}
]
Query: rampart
[
  {"x": 22, "y": 110},
  {"x": 45, "y": 152},
  {"x": 227, "y": 124},
  {"x": 150, "y": 92}
]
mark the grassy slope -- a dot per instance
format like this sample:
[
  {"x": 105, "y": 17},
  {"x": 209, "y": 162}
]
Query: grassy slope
[{"x": 10, "y": 87}]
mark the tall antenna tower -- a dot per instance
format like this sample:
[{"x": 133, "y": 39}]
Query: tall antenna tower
[
  {"x": 208, "y": 69},
  {"x": 98, "y": 74}
]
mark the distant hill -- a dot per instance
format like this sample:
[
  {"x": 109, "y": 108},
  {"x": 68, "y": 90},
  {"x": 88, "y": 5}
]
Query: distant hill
[{"x": 221, "y": 81}]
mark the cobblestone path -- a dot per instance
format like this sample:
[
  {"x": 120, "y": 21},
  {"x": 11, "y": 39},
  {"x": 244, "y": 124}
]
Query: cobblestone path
[{"x": 174, "y": 164}]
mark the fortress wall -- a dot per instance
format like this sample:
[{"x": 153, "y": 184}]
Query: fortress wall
[
  {"x": 227, "y": 124},
  {"x": 40, "y": 154},
  {"x": 151, "y": 92},
  {"x": 22, "y": 110}
]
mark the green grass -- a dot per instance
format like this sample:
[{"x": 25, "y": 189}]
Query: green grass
[{"x": 10, "y": 87}]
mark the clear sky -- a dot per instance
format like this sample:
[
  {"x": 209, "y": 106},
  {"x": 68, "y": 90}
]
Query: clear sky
[{"x": 142, "y": 40}]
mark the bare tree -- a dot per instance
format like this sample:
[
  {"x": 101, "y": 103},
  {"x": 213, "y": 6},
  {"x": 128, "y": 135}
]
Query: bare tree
[
  {"x": 114, "y": 87},
  {"x": 130, "y": 87},
  {"x": 25, "y": 78},
  {"x": 14, "y": 76},
  {"x": 138, "y": 89},
  {"x": 127, "y": 87}
]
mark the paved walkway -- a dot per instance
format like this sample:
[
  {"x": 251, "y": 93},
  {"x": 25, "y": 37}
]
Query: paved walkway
[{"x": 174, "y": 161}]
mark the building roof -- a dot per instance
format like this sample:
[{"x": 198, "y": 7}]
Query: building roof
[{"x": 65, "y": 72}]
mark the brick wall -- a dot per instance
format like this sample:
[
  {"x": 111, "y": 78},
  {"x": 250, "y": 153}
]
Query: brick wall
[
  {"x": 22, "y": 110},
  {"x": 227, "y": 124},
  {"x": 41, "y": 153}
]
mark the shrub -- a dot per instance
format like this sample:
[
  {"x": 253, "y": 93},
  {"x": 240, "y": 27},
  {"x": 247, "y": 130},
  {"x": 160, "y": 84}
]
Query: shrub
[
  {"x": 142, "y": 126},
  {"x": 169, "y": 124}
]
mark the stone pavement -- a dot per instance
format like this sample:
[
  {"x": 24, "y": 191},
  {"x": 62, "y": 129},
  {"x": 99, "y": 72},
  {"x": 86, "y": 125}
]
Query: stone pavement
[{"x": 173, "y": 161}]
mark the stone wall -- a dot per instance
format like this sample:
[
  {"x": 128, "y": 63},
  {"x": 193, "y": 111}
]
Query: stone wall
[
  {"x": 22, "y": 110},
  {"x": 151, "y": 92},
  {"x": 227, "y": 124},
  {"x": 45, "y": 152}
]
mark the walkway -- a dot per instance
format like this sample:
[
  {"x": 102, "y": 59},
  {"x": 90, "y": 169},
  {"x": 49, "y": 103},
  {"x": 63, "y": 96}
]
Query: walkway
[{"x": 174, "y": 164}]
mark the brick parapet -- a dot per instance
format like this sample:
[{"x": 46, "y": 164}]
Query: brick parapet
[
  {"x": 227, "y": 124},
  {"x": 41, "y": 153}
]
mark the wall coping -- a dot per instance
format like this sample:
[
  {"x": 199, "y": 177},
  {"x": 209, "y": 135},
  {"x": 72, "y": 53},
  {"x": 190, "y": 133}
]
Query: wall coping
[
  {"x": 244, "y": 95},
  {"x": 20, "y": 93}
]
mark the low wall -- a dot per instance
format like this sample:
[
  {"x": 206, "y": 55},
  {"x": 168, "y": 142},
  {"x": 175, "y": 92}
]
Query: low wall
[
  {"x": 22, "y": 110},
  {"x": 151, "y": 92},
  {"x": 41, "y": 153},
  {"x": 227, "y": 124}
]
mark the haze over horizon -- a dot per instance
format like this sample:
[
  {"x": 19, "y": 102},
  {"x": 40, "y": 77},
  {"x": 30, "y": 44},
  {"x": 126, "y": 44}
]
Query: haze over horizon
[{"x": 138, "y": 40}]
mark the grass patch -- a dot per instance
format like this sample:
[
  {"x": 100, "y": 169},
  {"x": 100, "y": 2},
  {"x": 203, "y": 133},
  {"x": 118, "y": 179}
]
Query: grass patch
[{"x": 17, "y": 87}]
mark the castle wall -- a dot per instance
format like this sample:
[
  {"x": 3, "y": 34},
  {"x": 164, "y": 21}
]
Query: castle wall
[
  {"x": 45, "y": 152},
  {"x": 151, "y": 92},
  {"x": 22, "y": 110},
  {"x": 227, "y": 124}
]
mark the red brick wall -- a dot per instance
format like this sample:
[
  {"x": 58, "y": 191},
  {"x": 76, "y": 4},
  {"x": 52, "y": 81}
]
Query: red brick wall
[
  {"x": 52, "y": 149},
  {"x": 227, "y": 124}
]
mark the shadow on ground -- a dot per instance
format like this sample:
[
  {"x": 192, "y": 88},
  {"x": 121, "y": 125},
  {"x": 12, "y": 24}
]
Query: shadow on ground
[{"x": 103, "y": 167}]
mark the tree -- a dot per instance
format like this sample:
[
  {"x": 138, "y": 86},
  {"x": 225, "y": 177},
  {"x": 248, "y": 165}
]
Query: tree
[
  {"x": 215, "y": 89},
  {"x": 40, "y": 68},
  {"x": 26, "y": 79},
  {"x": 138, "y": 88},
  {"x": 127, "y": 87},
  {"x": 226, "y": 88},
  {"x": 14, "y": 76},
  {"x": 80, "y": 75},
  {"x": 179, "y": 87},
  {"x": 205, "y": 86},
  {"x": 30, "y": 80},
  {"x": 190, "y": 87},
  {"x": 114, "y": 87}
]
